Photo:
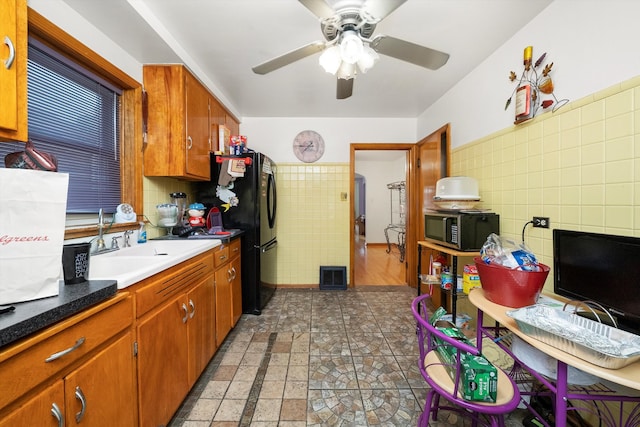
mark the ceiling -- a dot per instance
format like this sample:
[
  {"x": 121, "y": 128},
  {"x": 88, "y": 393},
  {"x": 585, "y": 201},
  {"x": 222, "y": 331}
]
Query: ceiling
[{"x": 221, "y": 40}]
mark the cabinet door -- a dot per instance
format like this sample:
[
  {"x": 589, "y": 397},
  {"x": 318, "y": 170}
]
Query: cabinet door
[
  {"x": 197, "y": 127},
  {"x": 223, "y": 303},
  {"x": 202, "y": 326},
  {"x": 44, "y": 410},
  {"x": 162, "y": 360},
  {"x": 236, "y": 290},
  {"x": 102, "y": 391},
  {"x": 13, "y": 69}
]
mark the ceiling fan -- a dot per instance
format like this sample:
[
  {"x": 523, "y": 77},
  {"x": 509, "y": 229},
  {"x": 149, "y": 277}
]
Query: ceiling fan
[{"x": 348, "y": 29}]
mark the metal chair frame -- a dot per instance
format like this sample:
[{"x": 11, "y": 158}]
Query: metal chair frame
[{"x": 442, "y": 385}]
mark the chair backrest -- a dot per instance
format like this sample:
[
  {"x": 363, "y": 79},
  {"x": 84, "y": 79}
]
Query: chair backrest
[{"x": 429, "y": 337}]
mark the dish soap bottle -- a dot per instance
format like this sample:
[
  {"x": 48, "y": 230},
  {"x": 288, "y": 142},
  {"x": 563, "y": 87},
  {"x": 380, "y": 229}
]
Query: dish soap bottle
[{"x": 142, "y": 234}]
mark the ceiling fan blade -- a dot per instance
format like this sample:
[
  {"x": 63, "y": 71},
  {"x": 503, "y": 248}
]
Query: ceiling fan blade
[
  {"x": 410, "y": 52},
  {"x": 320, "y": 8},
  {"x": 288, "y": 58},
  {"x": 345, "y": 88},
  {"x": 377, "y": 10}
]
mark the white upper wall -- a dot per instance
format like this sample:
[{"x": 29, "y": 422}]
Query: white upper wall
[
  {"x": 71, "y": 22},
  {"x": 592, "y": 43},
  {"x": 274, "y": 135}
]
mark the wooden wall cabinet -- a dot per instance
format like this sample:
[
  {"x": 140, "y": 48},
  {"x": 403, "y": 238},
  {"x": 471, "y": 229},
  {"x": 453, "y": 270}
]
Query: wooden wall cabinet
[
  {"x": 175, "y": 329},
  {"x": 78, "y": 386},
  {"x": 13, "y": 70},
  {"x": 178, "y": 132}
]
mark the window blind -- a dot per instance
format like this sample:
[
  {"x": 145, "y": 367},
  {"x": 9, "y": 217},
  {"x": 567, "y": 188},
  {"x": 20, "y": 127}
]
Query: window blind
[{"x": 75, "y": 116}]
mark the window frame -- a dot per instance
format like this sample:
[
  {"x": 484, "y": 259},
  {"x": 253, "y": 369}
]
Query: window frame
[{"x": 131, "y": 126}]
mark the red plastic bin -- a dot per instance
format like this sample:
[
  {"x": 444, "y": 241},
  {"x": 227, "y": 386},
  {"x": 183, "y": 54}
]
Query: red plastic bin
[{"x": 511, "y": 288}]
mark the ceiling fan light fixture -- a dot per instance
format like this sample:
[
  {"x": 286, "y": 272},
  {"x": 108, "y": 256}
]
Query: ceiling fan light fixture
[
  {"x": 351, "y": 47},
  {"x": 368, "y": 59},
  {"x": 330, "y": 59},
  {"x": 346, "y": 71}
]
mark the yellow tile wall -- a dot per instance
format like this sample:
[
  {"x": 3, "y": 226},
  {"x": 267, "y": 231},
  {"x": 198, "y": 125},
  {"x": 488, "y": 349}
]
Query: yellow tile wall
[
  {"x": 579, "y": 166},
  {"x": 313, "y": 220},
  {"x": 156, "y": 191}
]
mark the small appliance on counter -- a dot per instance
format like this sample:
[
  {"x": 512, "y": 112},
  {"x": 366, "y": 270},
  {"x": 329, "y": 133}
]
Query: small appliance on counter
[
  {"x": 454, "y": 222},
  {"x": 464, "y": 231},
  {"x": 456, "y": 193}
]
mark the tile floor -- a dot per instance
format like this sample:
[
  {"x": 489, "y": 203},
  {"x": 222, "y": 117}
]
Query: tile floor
[{"x": 316, "y": 358}]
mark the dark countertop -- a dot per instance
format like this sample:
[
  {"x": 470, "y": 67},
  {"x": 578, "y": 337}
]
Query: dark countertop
[
  {"x": 224, "y": 238},
  {"x": 32, "y": 316}
]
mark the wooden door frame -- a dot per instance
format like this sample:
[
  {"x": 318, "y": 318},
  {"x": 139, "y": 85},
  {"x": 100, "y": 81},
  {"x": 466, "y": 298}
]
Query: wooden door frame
[{"x": 411, "y": 251}]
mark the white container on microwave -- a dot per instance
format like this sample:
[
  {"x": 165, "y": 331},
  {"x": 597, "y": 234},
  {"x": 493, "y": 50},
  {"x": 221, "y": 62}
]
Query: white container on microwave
[{"x": 457, "y": 188}]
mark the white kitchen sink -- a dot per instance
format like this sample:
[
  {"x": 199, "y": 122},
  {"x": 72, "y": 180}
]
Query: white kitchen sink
[{"x": 131, "y": 265}]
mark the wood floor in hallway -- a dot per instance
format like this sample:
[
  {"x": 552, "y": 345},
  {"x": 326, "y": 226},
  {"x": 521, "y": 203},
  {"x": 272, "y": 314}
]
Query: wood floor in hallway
[{"x": 374, "y": 266}]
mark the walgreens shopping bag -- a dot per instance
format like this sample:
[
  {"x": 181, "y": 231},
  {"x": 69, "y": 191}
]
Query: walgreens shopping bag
[{"x": 32, "y": 221}]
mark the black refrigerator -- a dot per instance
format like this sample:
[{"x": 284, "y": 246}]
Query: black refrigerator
[{"x": 248, "y": 203}]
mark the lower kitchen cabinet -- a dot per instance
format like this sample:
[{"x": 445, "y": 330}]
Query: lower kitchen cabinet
[
  {"x": 79, "y": 372},
  {"x": 162, "y": 362},
  {"x": 236, "y": 281},
  {"x": 45, "y": 409},
  {"x": 101, "y": 392},
  {"x": 175, "y": 332},
  {"x": 228, "y": 288},
  {"x": 223, "y": 295}
]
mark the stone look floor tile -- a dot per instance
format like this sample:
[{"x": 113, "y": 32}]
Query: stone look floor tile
[
  {"x": 293, "y": 410},
  {"x": 318, "y": 358},
  {"x": 267, "y": 410},
  {"x": 230, "y": 410},
  {"x": 272, "y": 390},
  {"x": 238, "y": 390}
]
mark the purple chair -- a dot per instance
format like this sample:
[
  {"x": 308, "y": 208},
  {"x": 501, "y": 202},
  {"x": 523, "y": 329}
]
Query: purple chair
[{"x": 437, "y": 376}]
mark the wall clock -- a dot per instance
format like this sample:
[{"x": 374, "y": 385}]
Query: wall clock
[{"x": 308, "y": 146}]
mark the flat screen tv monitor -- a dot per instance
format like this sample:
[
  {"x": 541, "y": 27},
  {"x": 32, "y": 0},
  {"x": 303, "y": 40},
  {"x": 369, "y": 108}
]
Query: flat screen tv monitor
[{"x": 602, "y": 268}]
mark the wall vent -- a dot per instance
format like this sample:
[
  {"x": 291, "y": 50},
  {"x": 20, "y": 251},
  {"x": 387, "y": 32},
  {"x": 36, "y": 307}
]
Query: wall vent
[{"x": 333, "y": 278}]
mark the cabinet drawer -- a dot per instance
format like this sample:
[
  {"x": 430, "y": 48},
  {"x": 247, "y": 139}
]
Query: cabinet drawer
[
  {"x": 234, "y": 248},
  {"x": 73, "y": 339},
  {"x": 221, "y": 255},
  {"x": 162, "y": 286}
]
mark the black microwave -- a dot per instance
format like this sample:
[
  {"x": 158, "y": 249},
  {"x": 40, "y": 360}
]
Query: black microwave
[{"x": 465, "y": 231}]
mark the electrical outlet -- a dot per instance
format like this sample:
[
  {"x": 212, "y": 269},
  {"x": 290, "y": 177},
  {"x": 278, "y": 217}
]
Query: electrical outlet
[{"x": 540, "y": 222}]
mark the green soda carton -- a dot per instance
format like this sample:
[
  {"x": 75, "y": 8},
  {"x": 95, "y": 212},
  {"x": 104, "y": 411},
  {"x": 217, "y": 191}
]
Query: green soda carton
[{"x": 479, "y": 378}]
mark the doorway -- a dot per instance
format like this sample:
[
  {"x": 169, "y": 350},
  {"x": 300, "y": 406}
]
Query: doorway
[{"x": 378, "y": 251}]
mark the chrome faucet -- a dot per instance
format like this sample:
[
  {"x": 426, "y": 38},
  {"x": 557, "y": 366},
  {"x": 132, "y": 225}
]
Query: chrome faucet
[
  {"x": 100, "y": 246},
  {"x": 127, "y": 242}
]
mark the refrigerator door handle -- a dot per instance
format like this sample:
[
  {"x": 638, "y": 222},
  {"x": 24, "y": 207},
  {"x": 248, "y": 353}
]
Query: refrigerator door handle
[
  {"x": 271, "y": 200},
  {"x": 272, "y": 244}
]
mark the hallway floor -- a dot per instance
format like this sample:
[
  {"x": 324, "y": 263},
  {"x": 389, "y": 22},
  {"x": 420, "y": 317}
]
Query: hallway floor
[{"x": 317, "y": 358}]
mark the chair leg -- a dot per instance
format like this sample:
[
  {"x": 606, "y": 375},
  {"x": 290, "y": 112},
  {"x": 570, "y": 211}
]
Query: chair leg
[
  {"x": 436, "y": 406},
  {"x": 428, "y": 406}
]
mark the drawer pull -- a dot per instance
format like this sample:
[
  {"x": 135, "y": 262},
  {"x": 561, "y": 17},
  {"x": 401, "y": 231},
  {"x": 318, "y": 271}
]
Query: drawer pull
[
  {"x": 186, "y": 313},
  {"x": 83, "y": 402},
  {"x": 55, "y": 411},
  {"x": 193, "y": 309},
  {"x": 12, "y": 53},
  {"x": 235, "y": 273},
  {"x": 59, "y": 354},
  {"x": 222, "y": 257}
]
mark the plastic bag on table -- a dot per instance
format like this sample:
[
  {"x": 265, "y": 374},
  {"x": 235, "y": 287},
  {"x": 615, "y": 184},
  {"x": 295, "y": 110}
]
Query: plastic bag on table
[{"x": 508, "y": 253}]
